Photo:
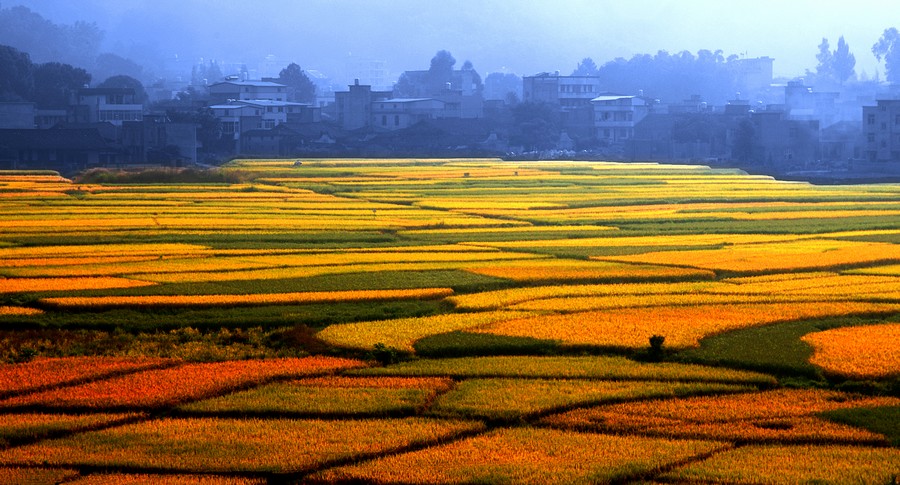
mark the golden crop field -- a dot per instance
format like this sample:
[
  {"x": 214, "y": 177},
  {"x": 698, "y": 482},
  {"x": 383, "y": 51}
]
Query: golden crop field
[{"x": 448, "y": 321}]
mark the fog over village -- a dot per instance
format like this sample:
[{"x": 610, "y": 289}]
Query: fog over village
[
  {"x": 449, "y": 242},
  {"x": 800, "y": 89}
]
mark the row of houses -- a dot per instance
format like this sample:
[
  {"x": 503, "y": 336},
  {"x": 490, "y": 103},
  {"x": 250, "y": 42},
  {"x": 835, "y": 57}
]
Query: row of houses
[
  {"x": 100, "y": 127},
  {"x": 109, "y": 127}
]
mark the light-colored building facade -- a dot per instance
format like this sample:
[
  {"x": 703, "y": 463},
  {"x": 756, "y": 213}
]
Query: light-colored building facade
[
  {"x": 113, "y": 105},
  {"x": 223, "y": 92},
  {"x": 567, "y": 92},
  {"x": 255, "y": 114},
  {"x": 398, "y": 113},
  {"x": 570, "y": 95},
  {"x": 753, "y": 74},
  {"x": 615, "y": 117}
]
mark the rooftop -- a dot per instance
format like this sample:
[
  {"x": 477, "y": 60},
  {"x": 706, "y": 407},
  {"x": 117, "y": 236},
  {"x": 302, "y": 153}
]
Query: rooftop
[
  {"x": 612, "y": 98},
  {"x": 259, "y": 84},
  {"x": 406, "y": 100}
]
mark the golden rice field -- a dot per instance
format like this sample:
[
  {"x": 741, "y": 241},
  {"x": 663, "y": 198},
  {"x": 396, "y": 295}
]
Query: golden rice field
[{"x": 449, "y": 321}]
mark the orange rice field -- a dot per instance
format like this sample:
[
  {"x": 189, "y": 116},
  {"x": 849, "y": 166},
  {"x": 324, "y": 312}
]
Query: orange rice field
[{"x": 449, "y": 321}]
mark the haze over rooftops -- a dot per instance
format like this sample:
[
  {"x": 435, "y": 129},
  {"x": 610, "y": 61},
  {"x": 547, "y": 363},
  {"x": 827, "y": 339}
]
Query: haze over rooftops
[{"x": 259, "y": 84}]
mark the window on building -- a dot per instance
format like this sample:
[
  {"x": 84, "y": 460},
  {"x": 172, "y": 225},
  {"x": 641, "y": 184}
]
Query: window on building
[
  {"x": 897, "y": 120},
  {"x": 383, "y": 120},
  {"x": 270, "y": 124},
  {"x": 883, "y": 126},
  {"x": 269, "y": 109},
  {"x": 280, "y": 109},
  {"x": 870, "y": 137},
  {"x": 870, "y": 119},
  {"x": 883, "y": 144},
  {"x": 396, "y": 120}
]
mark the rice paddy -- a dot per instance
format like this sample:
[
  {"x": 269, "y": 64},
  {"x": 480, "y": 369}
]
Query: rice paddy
[{"x": 449, "y": 321}]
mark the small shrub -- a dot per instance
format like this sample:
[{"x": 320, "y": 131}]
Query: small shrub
[
  {"x": 656, "y": 347},
  {"x": 385, "y": 355},
  {"x": 24, "y": 354}
]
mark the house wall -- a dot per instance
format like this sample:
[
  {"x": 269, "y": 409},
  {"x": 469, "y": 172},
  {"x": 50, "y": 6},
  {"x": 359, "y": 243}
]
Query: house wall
[
  {"x": 17, "y": 115},
  {"x": 881, "y": 129}
]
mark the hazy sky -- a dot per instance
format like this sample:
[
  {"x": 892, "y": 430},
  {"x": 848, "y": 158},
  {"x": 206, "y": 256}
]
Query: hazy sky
[{"x": 520, "y": 36}]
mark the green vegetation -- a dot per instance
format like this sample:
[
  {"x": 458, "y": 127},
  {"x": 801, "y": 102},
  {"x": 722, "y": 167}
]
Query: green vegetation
[
  {"x": 882, "y": 419},
  {"x": 309, "y": 400},
  {"x": 436, "y": 388},
  {"x": 599, "y": 367},
  {"x": 516, "y": 399},
  {"x": 464, "y": 344},
  {"x": 775, "y": 349}
]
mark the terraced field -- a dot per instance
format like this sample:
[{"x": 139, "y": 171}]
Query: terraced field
[{"x": 449, "y": 321}]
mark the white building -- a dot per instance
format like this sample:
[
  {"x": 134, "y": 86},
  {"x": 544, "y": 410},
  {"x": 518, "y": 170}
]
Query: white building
[
  {"x": 115, "y": 105},
  {"x": 399, "y": 113},
  {"x": 223, "y": 92},
  {"x": 238, "y": 117},
  {"x": 616, "y": 116},
  {"x": 567, "y": 92}
]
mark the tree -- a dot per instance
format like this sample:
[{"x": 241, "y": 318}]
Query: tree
[
  {"x": 888, "y": 47},
  {"x": 586, "y": 67},
  {"x": 476, "y": 79},
  {"x": 48, "y": 42},
  {"x": 108, "y": 65},
  {"x": 213, "y": 73},
  {"x": 126, "y": 82},
  {"x": 441, "y": 71},
  {"x": 536, "y": 126},
  {"x": 843, "y": 62},
  {"x": 824, "y": 69},
  {"x": 16, "y": 75},
  {"x": 834, "y": 67},
  {"x": 442, "y": 64},
  {"x": 300, "y": 88},
  {"x": 55, "y": 83}
]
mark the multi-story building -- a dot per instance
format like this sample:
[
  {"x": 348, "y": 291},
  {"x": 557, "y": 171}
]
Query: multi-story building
[
  {"x": 398, "y": 113},
  {"x": 369, "y": 72},
  {"x": 754, "y": 74},
  {"x": 783, "y": 142},
  {"x": 238, "y": 117},
  {"x": 615, "y": 117},
  {"x": 113, "y": 105},
  {"x": 461, "y": 92},
  {"x": 881, "y": 128},
  {"x": 566, "y": 92},
  {"x": 802, "y": 103},
  {"x": 353, "y": 108},
  {"x": 570, "y": 95},
  {"x": 225, "y": 91}
]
